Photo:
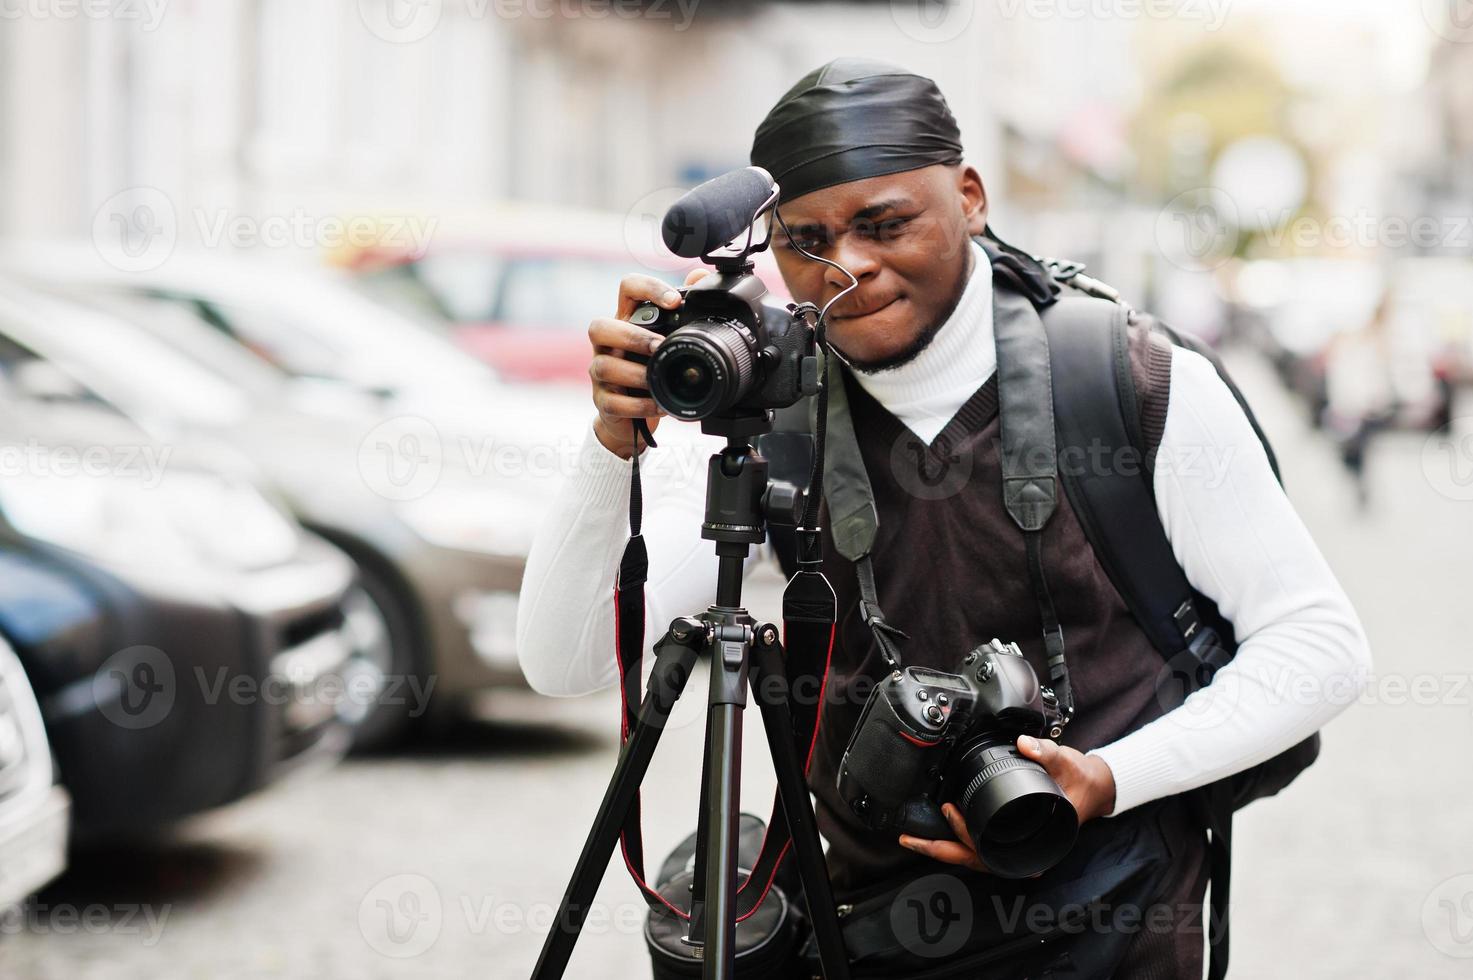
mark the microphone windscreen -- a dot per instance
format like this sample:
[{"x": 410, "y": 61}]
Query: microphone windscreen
[{"x": 716, "y": 212}]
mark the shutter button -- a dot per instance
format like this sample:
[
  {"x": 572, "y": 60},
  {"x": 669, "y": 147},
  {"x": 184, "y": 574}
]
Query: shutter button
[{"x": 933, "y": 713}]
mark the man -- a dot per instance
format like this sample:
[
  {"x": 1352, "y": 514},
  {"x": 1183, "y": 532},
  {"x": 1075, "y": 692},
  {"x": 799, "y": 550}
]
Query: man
[{"x": 870, "y": 165}]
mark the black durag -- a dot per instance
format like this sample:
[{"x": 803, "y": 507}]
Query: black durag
[{"x": 851, "y": 119}]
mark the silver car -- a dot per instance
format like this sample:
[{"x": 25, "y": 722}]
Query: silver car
[
  {"x": 34, "y": 810},
  {"x": 403, "y": 451}
]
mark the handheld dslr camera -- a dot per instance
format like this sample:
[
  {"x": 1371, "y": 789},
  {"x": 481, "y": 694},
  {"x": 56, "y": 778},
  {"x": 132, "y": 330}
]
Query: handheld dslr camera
[
  {"x": 726, "y": 356},
  {"x": 724, "y": 353},
  {"x": 927, "y": 737}
]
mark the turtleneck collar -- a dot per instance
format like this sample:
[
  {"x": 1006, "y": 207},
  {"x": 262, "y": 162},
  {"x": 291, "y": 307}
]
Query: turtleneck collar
[{"x": 926, "y": 391}]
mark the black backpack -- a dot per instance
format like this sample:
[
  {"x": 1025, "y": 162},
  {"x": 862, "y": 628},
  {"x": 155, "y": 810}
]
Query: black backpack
[{"x": 1095, "y": 404}]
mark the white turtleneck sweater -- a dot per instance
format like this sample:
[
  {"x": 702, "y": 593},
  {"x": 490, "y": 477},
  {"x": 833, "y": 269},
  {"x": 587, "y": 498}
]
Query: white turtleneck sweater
[{"x": 1302, "y": 655}]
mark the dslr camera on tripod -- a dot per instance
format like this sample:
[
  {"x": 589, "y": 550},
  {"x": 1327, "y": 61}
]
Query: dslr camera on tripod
[{"x": 726, "y": 355}]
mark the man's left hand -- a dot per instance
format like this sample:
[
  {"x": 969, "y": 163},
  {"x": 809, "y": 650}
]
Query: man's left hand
[{"x": 1085, "y": 779}]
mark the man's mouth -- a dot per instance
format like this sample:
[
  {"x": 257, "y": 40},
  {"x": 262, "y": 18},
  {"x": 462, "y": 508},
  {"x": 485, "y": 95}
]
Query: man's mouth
[{"x": 866, "y": 311}]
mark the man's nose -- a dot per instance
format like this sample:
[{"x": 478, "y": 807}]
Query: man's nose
[{"x": 854, "y": 256}]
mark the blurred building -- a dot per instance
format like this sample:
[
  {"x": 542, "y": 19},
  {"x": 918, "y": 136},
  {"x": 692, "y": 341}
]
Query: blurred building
[
  {"x": 1434, "y": 157},
  {"x": 262, "y": 107}
]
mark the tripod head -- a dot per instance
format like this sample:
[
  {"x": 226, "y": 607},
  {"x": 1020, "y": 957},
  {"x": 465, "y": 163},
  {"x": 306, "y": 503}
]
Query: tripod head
[{"x": 740, "y": 500}]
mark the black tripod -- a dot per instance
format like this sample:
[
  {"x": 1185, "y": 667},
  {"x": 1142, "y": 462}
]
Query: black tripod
[{"x": 742, "y": 652}]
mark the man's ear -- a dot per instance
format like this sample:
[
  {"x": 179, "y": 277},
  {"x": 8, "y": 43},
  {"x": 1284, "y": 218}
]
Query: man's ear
[{"x": 974, "y": 198}]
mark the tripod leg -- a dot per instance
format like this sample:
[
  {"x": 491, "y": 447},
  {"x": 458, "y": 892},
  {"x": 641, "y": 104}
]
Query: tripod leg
[
  {"x": 769, "y": 686},
  {"x": 697, "y": 925},
  {"x": 730, "y": 648},
  {"x": 674, "y": 659}
]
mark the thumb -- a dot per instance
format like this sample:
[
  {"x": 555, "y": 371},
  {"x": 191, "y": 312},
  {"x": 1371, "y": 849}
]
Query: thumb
[{"x": 1043, "y": 751}]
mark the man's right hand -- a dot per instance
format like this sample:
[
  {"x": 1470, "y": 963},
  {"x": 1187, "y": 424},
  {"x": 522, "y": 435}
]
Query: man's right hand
[{"x": 614, "y": 376}]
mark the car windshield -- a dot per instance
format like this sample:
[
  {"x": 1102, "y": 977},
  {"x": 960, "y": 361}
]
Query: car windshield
[
  {"x": 331, "y": 331},
  {"x": 560, "y": 292},
  {"x": 133, "y": 368}
]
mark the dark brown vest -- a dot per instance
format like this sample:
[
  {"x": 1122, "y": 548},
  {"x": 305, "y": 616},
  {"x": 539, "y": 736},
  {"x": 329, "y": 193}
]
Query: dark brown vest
[{"x": 951, "y": 572}]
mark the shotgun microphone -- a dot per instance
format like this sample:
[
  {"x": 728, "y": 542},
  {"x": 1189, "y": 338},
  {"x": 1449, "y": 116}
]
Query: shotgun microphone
[{"x": 714, "y": 213}]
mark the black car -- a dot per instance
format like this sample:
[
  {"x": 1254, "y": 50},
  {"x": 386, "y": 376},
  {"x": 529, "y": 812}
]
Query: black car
[{"x": 187, "y": 641}]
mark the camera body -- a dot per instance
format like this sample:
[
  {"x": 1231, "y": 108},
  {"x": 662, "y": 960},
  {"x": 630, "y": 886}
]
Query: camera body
[
  {"x": 927, "y": 737},
  {"x": 726, "y": 355}
]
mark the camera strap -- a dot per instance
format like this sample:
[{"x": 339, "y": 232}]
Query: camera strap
[
  {"x": 1029, "y": 458},
  {"x": 809, "y": 616},
  {"x": 1029, "y": 465},
  {"x": 853, "y": 519}
]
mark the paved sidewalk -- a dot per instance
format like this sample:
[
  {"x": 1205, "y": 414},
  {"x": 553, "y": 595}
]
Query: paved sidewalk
[{"x": 463, "y": 847}]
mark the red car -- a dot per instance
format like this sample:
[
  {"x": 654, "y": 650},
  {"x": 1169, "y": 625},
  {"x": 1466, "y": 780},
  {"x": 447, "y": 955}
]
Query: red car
[{"x": 522, "y": 307}]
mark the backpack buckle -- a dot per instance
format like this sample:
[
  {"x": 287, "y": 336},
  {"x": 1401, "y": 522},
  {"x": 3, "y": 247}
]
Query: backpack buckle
[
  {"x": 1071, "y": 273},
  {"x": 1061, "y": 269}
]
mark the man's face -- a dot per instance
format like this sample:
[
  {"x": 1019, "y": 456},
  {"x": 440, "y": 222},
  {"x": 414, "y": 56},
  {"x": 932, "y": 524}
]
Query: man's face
[{"x": 904, "y": 237}]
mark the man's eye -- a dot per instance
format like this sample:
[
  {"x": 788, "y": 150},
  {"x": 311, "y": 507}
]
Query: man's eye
[
  {"x": 808, "y": 243},
  {"x": 892, "y": 228}
]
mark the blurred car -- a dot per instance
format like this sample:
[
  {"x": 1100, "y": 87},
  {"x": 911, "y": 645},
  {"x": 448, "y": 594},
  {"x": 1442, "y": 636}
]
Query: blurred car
[
  {"x": 523, "y": 310},
  {"x": 188, "y": 643},
  {"x": 34, "y": 811},
  {"x": 517, "y": 287},
  {"x": 399, "y": 448}
]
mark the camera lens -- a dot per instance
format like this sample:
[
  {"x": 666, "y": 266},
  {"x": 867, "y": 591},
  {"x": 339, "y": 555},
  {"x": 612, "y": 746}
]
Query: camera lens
[
  {"x": 702, "y": 368},
  {"x": 689, "y": 378},
  {"x": 1020, "y": 821}
]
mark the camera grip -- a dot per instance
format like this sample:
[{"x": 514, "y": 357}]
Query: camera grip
[
  {"x": 886, "y": 767},
  {"x": 921, "y": 817}
]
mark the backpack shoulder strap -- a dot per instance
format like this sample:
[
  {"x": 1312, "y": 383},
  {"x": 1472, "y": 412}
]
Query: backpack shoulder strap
[
  {"x": 1103, "y": 467},
  {"x": 1095, "y": 408}
]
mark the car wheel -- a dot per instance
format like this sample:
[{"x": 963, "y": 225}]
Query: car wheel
[{"x": 378, "y": 630}]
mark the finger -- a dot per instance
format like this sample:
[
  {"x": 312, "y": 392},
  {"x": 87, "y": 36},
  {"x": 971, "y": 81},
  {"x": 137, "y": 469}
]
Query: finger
[
  {"x": 636, "y": 288},
  {"x": 696, "y": 275},
  {"x": 958, "y": 823},
  {"x": 609, "y": 334},
  {"x": 946, "y": 851},
  {"x": 1043, "y": 751},
  {"x": 620, "y": 406},
  {"x": 610, "y": 370}
]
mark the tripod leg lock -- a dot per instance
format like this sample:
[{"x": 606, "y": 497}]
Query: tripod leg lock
[
  {"x": 675, "y": 656},
  {"x": 730, "y": 647}
]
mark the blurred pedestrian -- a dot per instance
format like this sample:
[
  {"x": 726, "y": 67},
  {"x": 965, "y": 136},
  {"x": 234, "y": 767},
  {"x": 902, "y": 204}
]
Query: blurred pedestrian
[{"x": 1360, "y": 399}]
